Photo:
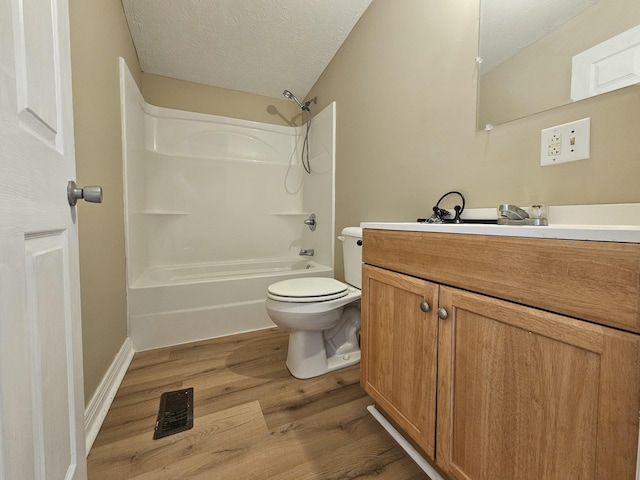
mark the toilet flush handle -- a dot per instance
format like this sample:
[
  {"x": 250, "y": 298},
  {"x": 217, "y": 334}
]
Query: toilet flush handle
[{"x": 343, "y": 239}]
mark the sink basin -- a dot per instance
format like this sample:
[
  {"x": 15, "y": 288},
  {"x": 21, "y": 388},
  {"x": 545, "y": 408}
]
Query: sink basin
[
  {"x": 464, "y": 221},
  {"x": 569, "y": 222},
  {"x": 479, "y": 221}
]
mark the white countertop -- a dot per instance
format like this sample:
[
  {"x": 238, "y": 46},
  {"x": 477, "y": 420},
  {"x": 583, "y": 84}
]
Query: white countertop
[
  {"x": 624, "y": 227},
  {"x": 602, "y": 233}
]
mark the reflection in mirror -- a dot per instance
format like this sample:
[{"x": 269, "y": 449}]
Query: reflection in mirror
[{"x": 526, "y": 50}]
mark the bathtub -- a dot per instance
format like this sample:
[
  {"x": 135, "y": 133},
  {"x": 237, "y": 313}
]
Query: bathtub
[{"x": 171, "y": 305}]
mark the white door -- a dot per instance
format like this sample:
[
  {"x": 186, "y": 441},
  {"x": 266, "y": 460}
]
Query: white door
[{"x": 41, "y": 393}]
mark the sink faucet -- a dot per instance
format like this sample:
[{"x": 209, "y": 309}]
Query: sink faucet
[
  {"x": 439, "y": 214},
  {"x": 510, "y": 214},
  {"x": 307, "y": 252}
]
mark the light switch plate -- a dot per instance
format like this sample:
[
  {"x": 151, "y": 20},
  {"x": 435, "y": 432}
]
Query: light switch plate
[{"x": 565, "y": 143}]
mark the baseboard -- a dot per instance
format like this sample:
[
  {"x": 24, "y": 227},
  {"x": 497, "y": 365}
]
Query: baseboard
[
  {"x": 98, "y": 407},
  {"x": 406, "y": 446}
]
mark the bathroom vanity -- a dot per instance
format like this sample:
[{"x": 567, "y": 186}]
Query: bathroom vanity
[{"x": 501, "y": 356}]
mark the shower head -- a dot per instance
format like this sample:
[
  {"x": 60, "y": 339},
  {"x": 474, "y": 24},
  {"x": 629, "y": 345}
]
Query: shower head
[
  {"x": 305, "y": 143},
  {"x": 291, "y": 96}
]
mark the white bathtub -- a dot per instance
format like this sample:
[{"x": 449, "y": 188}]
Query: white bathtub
[
  {"x": 185, "y": 303},
  {"x": 171, "y": 275}
]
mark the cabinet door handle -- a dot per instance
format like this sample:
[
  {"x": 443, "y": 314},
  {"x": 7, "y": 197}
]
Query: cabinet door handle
[
  {"x": 442, "y": 314},
  {"x": 424, "y": 306}
]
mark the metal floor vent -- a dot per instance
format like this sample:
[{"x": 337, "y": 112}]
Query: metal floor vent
[{"x": 175, "y": 413}]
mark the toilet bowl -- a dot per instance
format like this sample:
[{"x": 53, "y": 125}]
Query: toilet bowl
[{"x": 322, "y": 315}]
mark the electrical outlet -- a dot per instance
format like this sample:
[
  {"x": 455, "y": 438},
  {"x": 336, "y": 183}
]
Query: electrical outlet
[
  {"x": 565, "y": 143},
  {"x": 554, "y": 150},
  {"x": 555, "y": 139}
]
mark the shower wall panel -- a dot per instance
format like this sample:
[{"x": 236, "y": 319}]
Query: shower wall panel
[
  {"x": 318, "y": 194},
  {"x": 135, "y": 171},
  {"x": 202, "y": 210},
  {"x": 205, "y": 189}
]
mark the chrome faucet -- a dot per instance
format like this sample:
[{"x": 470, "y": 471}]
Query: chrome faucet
[
  {"x": 307, "y": 252},
  {"x": 311, "y": 222},
  {"x": 513, "y": 215}
]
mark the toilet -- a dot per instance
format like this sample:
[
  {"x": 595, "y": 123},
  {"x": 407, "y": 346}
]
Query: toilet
[{"x": 321, "y": 314}]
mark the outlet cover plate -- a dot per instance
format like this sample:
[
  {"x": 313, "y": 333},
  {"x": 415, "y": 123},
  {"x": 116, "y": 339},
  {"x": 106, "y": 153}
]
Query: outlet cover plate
[{"x": 565, "y": 143}]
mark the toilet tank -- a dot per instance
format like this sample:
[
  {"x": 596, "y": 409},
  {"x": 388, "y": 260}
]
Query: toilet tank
[{"x": 352, "y": 255}]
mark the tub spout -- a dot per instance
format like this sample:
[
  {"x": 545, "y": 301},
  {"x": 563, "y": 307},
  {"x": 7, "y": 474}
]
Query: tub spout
[{"x": 308, "y": 252}]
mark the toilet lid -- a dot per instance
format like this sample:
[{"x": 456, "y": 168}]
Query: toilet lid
[{"x": 310, "y": 289}]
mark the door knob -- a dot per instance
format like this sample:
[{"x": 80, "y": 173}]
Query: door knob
[
  {"x": 442, "y": 314},
  {"x": 424, "y": 306},
  {"x": 90, "y": 194}
]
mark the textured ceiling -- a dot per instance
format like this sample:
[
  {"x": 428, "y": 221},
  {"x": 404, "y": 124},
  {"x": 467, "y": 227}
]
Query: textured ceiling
[
  {"x": 256, "y": 46},
  {"x": 506, "y": 27}
]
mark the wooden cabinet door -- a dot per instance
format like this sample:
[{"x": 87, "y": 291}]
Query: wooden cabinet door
[
  {"x": 525, "y": 394},
  {"x": 399, "y": 356}
]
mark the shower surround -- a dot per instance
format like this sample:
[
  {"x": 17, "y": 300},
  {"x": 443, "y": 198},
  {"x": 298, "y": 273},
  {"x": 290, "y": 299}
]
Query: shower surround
[{"x": 214, "y": 211}]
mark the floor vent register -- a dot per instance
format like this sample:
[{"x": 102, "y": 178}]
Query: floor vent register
[{"x": 175, "y": 414}]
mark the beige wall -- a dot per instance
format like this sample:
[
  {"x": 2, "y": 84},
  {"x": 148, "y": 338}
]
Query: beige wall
[
  {"x": 543, "y": 69},
  {"x": 195, "y": 97},
  {"x": 99, "y": 35},
  {"x": 404, "y": 83}
]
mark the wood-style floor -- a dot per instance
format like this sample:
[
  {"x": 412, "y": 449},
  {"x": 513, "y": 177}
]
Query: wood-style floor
[{"x": 252, "y": 419}]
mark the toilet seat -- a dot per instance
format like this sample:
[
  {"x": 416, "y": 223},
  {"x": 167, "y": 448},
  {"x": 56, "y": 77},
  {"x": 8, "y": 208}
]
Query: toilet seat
[{"x": 307, "y": 290}]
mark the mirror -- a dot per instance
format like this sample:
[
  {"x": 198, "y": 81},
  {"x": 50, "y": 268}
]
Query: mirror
[{"x": 526, "y": 50}]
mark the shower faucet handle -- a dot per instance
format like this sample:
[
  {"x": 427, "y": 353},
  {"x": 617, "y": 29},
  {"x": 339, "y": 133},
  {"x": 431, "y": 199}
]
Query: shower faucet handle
[{"x": 311, "y": 222}]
